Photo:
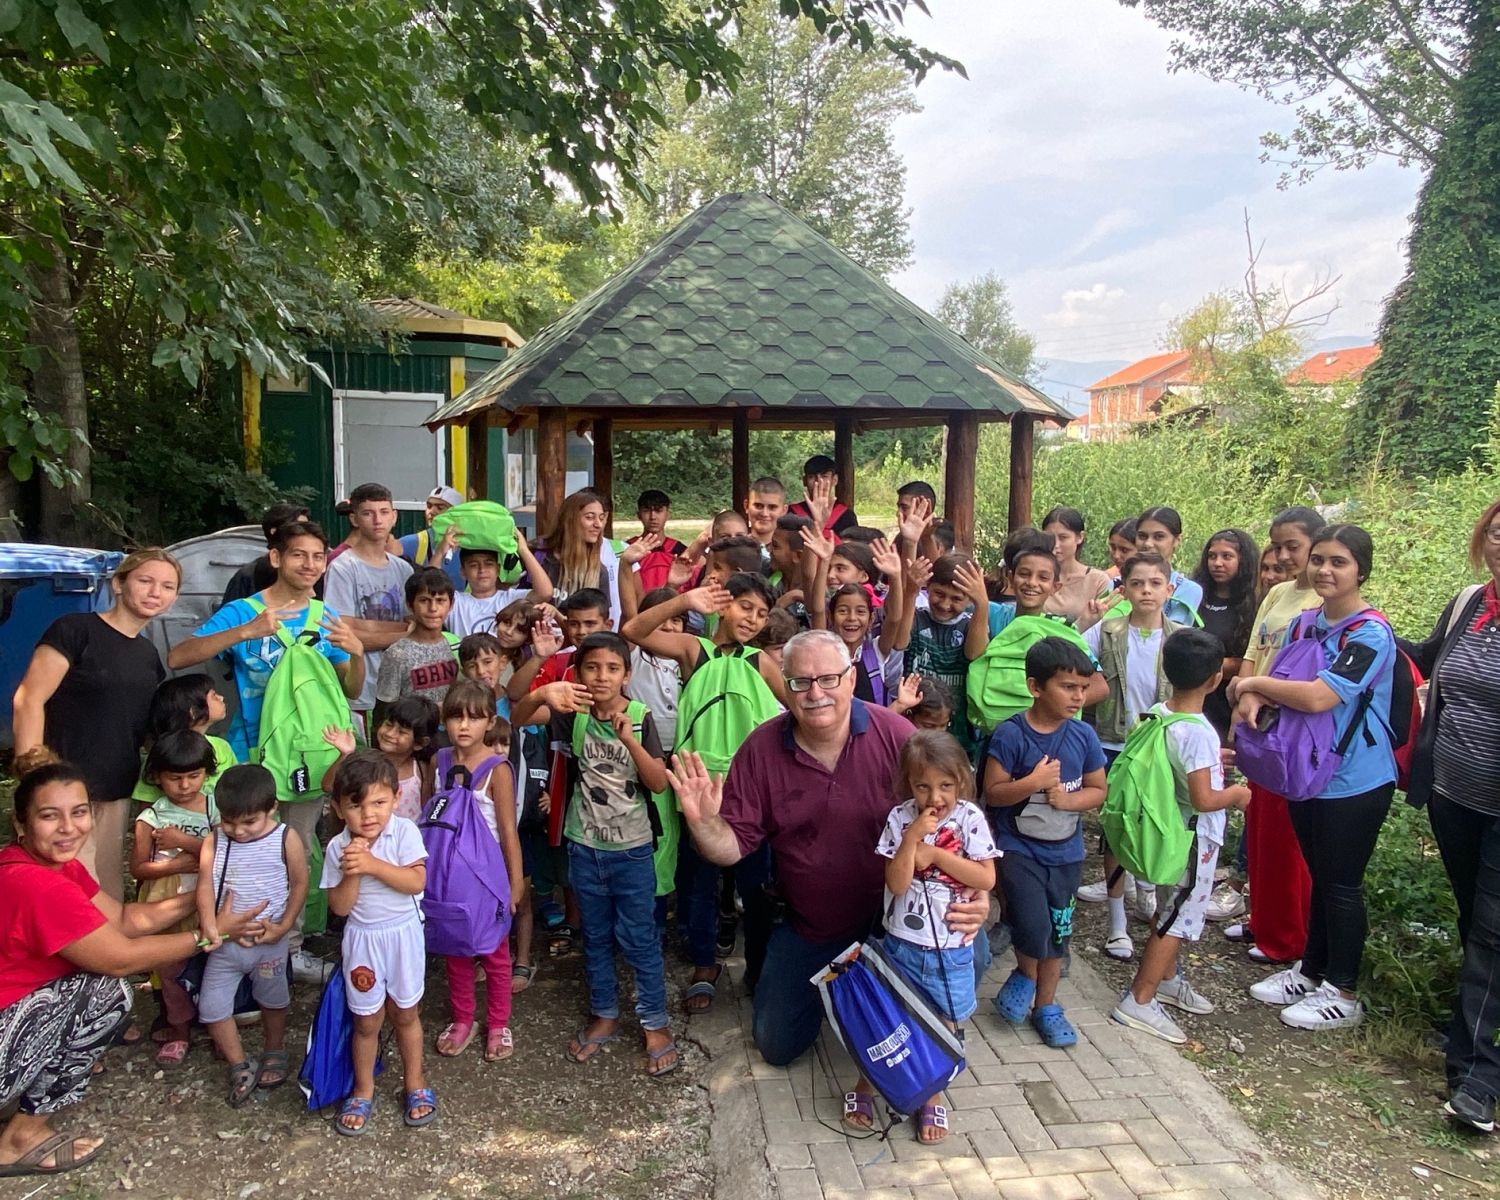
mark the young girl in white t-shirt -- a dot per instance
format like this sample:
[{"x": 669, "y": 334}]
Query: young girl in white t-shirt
[{"x": 374, "y": 873}]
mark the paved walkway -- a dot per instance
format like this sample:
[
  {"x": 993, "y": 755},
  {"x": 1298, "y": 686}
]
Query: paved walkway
[{"x": 1120, "y": 1115}]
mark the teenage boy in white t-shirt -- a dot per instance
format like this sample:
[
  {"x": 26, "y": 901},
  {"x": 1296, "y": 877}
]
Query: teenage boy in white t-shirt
[
  {"x": 474, "y": 611},
  {"x": 1192, "y": 660}
]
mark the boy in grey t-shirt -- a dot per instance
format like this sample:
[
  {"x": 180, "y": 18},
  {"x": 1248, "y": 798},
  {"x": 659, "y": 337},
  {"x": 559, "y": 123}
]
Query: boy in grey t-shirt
[{"x": 424, "y": 662}]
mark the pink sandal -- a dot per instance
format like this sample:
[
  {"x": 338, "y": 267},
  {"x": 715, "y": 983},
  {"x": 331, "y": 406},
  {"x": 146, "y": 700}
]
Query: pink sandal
[
  {"x": 499, "y": 1044},
  {"x": 171, "y": 1054},
  {"x": 454, "y": 1040}
]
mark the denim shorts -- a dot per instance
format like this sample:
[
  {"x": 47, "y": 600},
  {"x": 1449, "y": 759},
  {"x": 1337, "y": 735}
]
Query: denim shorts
[
  {"x": 945, "y": 977},
  {"x": 1039, "y": 904}
]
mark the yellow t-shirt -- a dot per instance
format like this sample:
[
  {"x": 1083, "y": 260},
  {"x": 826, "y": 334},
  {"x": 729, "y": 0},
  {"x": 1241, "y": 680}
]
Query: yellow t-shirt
[{"x": 1279, "y": 609}]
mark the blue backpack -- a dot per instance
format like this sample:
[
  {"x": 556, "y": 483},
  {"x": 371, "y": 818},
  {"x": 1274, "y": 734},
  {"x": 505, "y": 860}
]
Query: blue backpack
[
  {"x": 327, "y": 1073},
  {"x": 897, "y": 1041},
  {"x": 1292, "y": 753},
  {"x": 466, "y": 902}
]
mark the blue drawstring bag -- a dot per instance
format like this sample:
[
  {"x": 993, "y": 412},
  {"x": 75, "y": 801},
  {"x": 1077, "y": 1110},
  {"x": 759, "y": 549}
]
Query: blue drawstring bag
[
  {"x": 327, "y": 1074},
  {"x": 897, "y": 1041}
]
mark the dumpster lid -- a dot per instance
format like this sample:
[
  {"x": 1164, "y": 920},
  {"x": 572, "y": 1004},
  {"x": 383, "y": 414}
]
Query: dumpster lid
[{"x": 25, "y": 560}]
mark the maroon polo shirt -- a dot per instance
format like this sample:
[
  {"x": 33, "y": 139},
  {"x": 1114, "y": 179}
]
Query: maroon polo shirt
[{"x": 822, "y": 825}]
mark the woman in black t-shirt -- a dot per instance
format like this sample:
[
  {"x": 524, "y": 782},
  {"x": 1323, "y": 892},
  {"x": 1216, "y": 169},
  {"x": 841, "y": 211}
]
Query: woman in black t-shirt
[
  {"x": 86, "y": 695},
  {"x": 1228, "y": 572}
]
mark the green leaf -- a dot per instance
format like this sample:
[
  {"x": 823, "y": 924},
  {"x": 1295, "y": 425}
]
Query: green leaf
[{"x": 82, "y": 33}]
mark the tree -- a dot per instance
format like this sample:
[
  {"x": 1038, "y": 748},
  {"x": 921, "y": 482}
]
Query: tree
[
  {"x": 980, "y": 310},
  {"x": 1426, "y": 403},
  {"x": 810, "y": 124},
  {"x": 1367, "y": 78},
  {"x": 224, "y": 161}
]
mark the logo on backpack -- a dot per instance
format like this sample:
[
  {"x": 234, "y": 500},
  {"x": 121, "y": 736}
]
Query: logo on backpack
[{"x": 466, "y": 901}]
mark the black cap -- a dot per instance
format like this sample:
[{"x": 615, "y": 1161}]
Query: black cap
[{"x": 819, "y": 464}]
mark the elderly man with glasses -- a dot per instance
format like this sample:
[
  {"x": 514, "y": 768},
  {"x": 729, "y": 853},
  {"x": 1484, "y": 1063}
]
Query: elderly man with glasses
[{"x": 817, "y": 784}]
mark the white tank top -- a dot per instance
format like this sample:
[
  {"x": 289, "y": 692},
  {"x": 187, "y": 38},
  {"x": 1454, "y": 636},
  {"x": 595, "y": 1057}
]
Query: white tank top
[{"x": 253, "y": 871}]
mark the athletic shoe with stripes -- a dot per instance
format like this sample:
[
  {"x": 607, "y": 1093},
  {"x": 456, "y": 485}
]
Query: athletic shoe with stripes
[
  {"x": 1284, "y": 987},
  {"x": 1324, "y": 1008},
  {"x": 1180, "y": 994}
]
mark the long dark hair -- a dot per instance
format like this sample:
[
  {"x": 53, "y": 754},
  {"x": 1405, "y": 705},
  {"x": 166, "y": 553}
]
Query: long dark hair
[{"x": 1243, "y": 598}]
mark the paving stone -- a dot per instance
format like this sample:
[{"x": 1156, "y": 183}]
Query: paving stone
[
  {"x": 777, "y": 1103},
  {"x": 804, "y": 1132},
  {"x": 1064, "y": 1162},
  {"x": 835, "y": 1167},
  {"x": 1191, "y": 1194},
  {"x": 991, "y": 1095},
  {"x": 1207, "y": 1150},
  {"x": 1130, "y": 1067},
  {"x": 1013, "y": 1072},
  {"x": 1070, "y": 1081},
  {"x": 993, "y": 1144},
  {"x": 1207, "y": 1175},
  {"x": 1140, "y": 1174},
  {"x": 1092, "y": 1133},
  {"x": 760, "y": 1069},
  {"x": 1055, "y": 1187},
  {"x": 1110, "y": 1108},
  {"x": 1140, "y": 1085},
  {"x": 1248, "y": 1193},
  {"x": 1024, "y": 1129},
  {"x": 1048, "y": 1103},
  {"x": 1091, "y": 1062},
  {"x": 1030, "y": 1052},
  {"x": 903, "y": 1174},
  {"x": 1007, "y": 1168},
  {"x": 955, "y": 1145},
  {"x": 1110, "y": 1040},
  {"x": 934, "y": 1191},
  {"x": 969, "y": 1179},
  {"x": 870, "y": 1194},
  {"x": 1106, "y": 1185},
  {"x": 787, "y": 1154},
  {"x": 1173, "y": 1113},
  {"x": 829, "y": 1108},
  {"x": 970, "y": 1120},
  {"x": 1160, "y": 1146},
  {"x": 798, "y": 1185}
]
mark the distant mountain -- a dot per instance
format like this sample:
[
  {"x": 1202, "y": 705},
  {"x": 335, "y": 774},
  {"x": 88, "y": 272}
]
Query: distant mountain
[{"x": 1066, "y": 381}]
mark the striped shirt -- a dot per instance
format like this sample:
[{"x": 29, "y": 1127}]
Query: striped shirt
[
  {"x": 253, "y": 871},
  {"x": 1465, "y": 757}
]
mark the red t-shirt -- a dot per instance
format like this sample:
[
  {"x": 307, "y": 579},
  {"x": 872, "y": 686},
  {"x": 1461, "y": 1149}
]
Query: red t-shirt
[
  {"x": 555, "y": 670},
  {"x": 654, "y": 568},
  {"x": 42, "y": 909}
]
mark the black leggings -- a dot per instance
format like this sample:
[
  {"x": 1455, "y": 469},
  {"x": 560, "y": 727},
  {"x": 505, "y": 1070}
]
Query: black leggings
[
  {"x": 1469, "y": 842},
  {"x": 1338, "y": 837}
]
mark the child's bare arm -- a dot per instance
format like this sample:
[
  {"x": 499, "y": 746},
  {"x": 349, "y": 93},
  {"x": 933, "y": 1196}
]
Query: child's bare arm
[
  {"x": 522, "y": 677},
  {"x": 1001, "y": 791},
  {"x": 970, "y": 872},
  {"x": 644, "y": 629},
  {"x": 297, "y": 883},
  {"x": 541, "y": 582},
  {"x": 540, "y": 706},
  {"x": 1206, "y": 798},
  {"x": 503, "y": 791},
  {"x": 1087, "y": 798},
  {"x": 650, "y": 768},
  {"x": 775, "y": 680},
  {"x": 409, "y": 879},
  {"x": 917, "y": 574},
  {"x": 208, "y": 919}
]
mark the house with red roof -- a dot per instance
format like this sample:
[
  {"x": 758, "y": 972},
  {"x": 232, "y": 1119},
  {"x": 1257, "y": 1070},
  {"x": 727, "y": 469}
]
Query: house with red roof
[
  {"x": 1135, "y": 393},
  {"x": 1330, "y": 367}
]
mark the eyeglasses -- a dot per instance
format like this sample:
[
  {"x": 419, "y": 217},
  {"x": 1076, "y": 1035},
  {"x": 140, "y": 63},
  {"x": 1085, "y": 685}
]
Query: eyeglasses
[
  {"x": 1492, "y": 535},
  {"x": 803, "y": 683}
]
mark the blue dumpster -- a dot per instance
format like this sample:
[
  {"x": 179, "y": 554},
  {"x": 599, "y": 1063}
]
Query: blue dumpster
[{"x": 38, "y": 584}]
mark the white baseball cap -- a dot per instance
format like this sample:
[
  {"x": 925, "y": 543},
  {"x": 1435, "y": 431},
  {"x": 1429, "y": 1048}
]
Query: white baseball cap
[{"x": 447, "y": 495}]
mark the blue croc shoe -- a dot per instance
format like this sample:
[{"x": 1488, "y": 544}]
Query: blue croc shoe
[
  {"x": 1052, "y": 1023},
  {"x": 1013, "y": 1000}
]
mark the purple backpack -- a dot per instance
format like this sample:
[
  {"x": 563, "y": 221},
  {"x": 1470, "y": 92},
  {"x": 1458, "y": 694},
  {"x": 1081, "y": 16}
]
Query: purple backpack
[
  {"x": 466, "y": 903},
  {"x": 869, "y": 659},
  {"x": 1293, "y": 753}
]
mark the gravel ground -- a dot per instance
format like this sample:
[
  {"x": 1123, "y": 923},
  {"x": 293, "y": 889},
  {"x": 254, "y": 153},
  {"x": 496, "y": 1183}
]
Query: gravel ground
[
  {"x": 1358, "y": 1115},
  {"x": 534, "y": 1126}
]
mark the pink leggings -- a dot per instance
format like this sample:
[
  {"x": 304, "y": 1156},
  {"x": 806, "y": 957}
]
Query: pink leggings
[{"x": 462, "y": 983}]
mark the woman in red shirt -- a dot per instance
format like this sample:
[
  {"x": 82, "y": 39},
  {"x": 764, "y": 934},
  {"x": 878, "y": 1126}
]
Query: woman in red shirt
[{"x": 65, "y": 947}]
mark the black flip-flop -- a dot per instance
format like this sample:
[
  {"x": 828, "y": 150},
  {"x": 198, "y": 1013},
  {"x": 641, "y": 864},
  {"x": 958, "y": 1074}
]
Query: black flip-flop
[
  {"x": 60, "y": 1146},
  {"x": 703, "y": 987}
]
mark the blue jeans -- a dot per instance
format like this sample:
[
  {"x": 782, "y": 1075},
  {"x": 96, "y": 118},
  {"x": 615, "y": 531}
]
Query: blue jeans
[
  {"x": 697, "y": 902},
  {"x": 787, "y": 1010},
  {"x": 616, "y": 892}
]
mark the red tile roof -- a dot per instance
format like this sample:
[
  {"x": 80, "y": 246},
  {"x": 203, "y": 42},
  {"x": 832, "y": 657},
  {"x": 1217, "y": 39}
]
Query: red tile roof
[
  {"x": 1145, "y": 369},
  {"x": 1333, "y": 366}
]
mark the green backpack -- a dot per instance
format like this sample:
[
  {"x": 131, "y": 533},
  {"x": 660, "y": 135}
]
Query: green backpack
[
  {"x": 484, "y": 525},
  {"x": 997, "y": 678},
  {"x": 721, "y": 704},
  {"x": 666, "y": 830},
  {"x": 303, "y": 697},
  {"x": 1140, "y": 818}
]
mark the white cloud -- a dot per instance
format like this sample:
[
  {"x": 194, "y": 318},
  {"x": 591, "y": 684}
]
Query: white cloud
[{"x": 1108, "y": 193}]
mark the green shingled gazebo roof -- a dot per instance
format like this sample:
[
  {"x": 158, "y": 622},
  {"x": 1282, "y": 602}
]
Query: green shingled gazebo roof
[{"x": 745, "y": 305}]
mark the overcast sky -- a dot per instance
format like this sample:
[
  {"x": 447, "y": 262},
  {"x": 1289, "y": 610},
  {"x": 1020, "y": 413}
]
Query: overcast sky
[{"x": 1110, "y": 194}]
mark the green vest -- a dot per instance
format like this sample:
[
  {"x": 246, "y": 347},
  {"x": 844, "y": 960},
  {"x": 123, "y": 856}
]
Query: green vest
[{"x": 1111, "y": 720}]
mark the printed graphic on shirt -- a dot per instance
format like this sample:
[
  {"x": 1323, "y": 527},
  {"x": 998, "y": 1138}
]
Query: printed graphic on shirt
[{"x": 919, "y": 915}]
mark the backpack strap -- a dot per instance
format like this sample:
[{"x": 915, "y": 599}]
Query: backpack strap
[
  {"x": 580, "y": 727},
  {"x": 452, "y": 639}
]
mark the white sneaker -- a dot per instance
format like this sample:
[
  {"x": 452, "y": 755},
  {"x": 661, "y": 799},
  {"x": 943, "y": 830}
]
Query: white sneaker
[
  {"x": 1225, "y": 905},
  {"x": 1094, "y": 893},
  {"x": 1284, "y": 987},
  {"x": 1179, "y": 993},
  {"x": 1148, "y": 1018},
  {"x": 309, "y": 968},
  {"x": 1324, "y": 1008}
]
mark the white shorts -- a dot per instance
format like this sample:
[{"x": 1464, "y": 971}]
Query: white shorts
[
  {"x": 384, "y": 962},
  {"x": 1187, "y": 911}
]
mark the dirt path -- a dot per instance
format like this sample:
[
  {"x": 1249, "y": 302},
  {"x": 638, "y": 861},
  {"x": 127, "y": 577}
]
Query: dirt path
[
  {"x": 1359, "y": 1115},
  {"x": 534, "y": 1126}
]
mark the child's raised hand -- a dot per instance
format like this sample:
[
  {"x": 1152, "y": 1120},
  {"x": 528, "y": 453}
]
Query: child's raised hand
[
  {"x": 1046, "y": 774},
  {"x": 971, "y": 580},
  {"x": 622, "y": 725},
  {"x": 925, "y": 825},
  {"x": 918, "y": 572},
  {"x": 268, "y": 620},
  {"x": 699, "y": 794},
  {"x": 908, "y": 693},
  {"x": 545, "y": 639},
  {"x": 679, "y": 571},
  {"x": 820, "y": 502},
  {"x": 641, "y": 547},
  {"x": 566, "y": 696},
  {"x": 710, "y": 598},
  {"x": 341, "y": 740},
  {"x": 450, "y": 541},
  {"x": 917, "y": 522},
  {"x": 815, "y": 540},
  {"x": 887, "y": 561}
]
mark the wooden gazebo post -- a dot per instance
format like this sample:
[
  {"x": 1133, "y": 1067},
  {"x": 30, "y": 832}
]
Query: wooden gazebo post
[
  {"x": 604, "y": 469},
  {"x": 959, "y": 475},
  {"x": 740, "y": 459},
  {"x": 843, "y": 457},
  {"x": 1022, "y": 449}
]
